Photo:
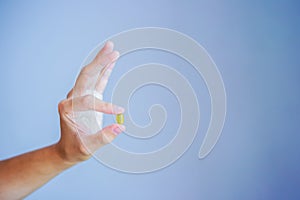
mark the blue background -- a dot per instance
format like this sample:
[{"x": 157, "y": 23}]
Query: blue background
[{"x": 255, "y": 45}]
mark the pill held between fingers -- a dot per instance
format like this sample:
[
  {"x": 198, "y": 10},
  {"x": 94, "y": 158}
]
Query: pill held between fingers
[{"x": 120, "y": 118}]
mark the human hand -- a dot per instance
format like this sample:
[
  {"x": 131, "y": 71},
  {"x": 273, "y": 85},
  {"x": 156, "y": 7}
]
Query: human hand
[
  {"x": 77, "y": 143},
  {"x": 23, "y": 174}
]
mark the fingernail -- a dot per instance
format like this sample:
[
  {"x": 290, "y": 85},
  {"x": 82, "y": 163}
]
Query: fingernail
[
  {"x": 118, "y": 109},
  {"x": 119, "y": 129}
]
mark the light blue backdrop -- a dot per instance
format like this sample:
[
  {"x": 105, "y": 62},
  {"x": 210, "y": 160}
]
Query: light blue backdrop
[{"x": 255, "y": 44}]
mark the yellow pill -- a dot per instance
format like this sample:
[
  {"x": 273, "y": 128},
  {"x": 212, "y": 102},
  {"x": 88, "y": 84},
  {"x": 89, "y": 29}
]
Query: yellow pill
[{"x": 120, "y": 118}]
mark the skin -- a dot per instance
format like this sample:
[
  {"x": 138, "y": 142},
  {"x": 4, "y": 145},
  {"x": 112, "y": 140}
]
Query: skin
[{"x": 23, "y": 174}]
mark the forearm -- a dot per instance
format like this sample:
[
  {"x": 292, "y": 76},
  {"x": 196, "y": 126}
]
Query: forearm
[{"x": 21, "y": 175}]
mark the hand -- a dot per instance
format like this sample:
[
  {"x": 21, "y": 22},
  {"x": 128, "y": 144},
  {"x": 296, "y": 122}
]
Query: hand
[
  {"x": 23, "y": 174},
  {"x": 76, "y": 144}
]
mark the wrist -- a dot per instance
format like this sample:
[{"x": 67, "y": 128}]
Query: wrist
[{"x": 61, "y": 157}]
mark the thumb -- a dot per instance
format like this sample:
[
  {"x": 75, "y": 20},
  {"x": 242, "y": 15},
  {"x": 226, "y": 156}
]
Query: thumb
[{"x": 105, "y": 136}]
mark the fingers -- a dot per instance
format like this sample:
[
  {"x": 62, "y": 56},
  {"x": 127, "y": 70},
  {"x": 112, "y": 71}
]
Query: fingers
[
  {"x": 99, "y": 62},
  {"x": 100, "y": 66},
  {"x": 89, "y": 102},
  {"x": 107, "y": 48},
  {"x": 103, "y": 79},
  {"x": 90, "y": 73}
]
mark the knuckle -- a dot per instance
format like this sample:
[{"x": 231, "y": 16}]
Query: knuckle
[
  {"x": 89, "y": 70},
  {"x": 84, "y": 70},
  {"x": 104, "y": 106},
  {"x": 70, "y": 93},
  {"x": 62, "y": 106},
  {"x": 100, "y": 139},
  {"x": 107, "y": 138}
]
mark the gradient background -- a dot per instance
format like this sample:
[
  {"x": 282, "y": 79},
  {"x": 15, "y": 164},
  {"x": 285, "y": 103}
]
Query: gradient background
[{"x": 255, "y": 45}]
